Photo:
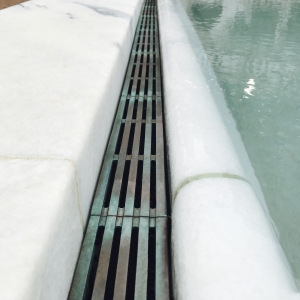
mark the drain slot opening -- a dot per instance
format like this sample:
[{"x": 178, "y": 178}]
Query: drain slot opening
[
  {"x": 125, "y": 113},
  {"x": 153, "y": 139},
  {"x": 112, "y": 269},
  {"x": 124, "y": 184},
  {"x": 120, "y": 137},
  {"x": 153, "y": 110},
  {"x": 95, "y": 259},
  {"x": 144, "y": 109},
  {"x": 135, "y": 109},
  {"x": 138, "y": 185},
  {"x": 142, "y": 139},
  {"x": 132, "y": 264},
  {"x": 133, "y": 71},
  {"x": 153, "y": 184},
  {"x": 130, "y": 87},
  {"x": 131, "y": 137},
  {"x": 110, "y": 182},
  {"x": 146, "y": 87},
  {"x": 151, "y": 264}
]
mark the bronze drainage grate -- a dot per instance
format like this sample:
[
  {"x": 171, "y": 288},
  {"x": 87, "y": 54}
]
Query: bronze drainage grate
[{"x": 125, "y": 249}]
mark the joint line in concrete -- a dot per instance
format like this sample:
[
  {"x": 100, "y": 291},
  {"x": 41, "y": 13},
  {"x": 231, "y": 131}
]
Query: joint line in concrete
[
  {"x": 204, "y": 176},
  {"x": 7, "y": 157}
]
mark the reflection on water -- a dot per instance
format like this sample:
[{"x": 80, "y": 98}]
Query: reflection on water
[{"x": 254, "y": 49}]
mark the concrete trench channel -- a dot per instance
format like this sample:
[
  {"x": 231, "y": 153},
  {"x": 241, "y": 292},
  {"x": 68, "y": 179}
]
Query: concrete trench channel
[{"x": 125, "y": 252}]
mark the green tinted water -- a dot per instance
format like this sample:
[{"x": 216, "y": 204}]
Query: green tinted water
[{"x": 254, "y": 49}]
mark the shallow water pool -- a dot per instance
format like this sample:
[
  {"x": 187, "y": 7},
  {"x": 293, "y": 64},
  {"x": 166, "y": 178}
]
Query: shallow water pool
[{"x": 254, "y": 49}]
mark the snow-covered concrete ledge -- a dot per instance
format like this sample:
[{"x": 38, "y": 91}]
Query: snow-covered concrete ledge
[
  {"x": 62, "y": 64},
  {"x": 224, "y": 243}
]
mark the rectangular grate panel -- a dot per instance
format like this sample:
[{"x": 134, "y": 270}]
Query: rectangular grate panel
[
  {"x": 127, "y": 258},
  {"x": 134, "y": 166},
  {"x": 125, "y": 252}
]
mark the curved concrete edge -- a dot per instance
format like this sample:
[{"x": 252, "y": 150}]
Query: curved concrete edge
[
  {"x": 206, "y": 137},
  {"x": 224, "y": 246},
  {"x": 209, "y": 262}
]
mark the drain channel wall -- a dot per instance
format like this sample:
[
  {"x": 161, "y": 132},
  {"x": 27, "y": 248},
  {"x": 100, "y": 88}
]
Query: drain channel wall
[{"x": 224, "y": 243}]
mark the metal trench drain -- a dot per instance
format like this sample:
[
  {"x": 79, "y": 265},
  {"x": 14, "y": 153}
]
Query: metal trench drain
[{"x": 125, "y": 250}]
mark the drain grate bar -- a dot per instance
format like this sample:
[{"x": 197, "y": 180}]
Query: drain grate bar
[{"x": 125, "y": 251}]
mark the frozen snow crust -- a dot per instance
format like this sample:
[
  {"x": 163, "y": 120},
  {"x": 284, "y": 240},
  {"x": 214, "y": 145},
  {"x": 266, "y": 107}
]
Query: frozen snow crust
[
  {"x": 224, "y": 243},
  {"x": 62, "y": 66}
]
